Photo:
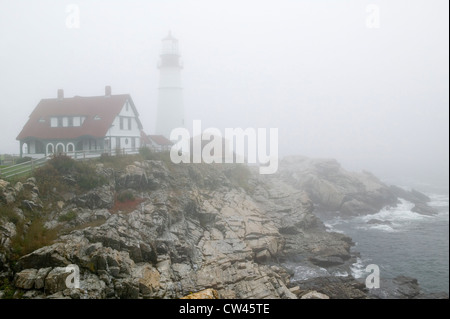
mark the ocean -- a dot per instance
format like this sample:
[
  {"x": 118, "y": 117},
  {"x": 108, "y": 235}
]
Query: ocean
[{"x": 406, "y": 243}]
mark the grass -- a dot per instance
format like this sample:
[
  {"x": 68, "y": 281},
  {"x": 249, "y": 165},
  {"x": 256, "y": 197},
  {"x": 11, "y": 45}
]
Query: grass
[
  {"x": 69, "y": 216},
  {"x": 35, "y": 237},
  {"x": 7, "y": 288},
  {"x": 51, "y": 182},
  {"x": 9, "y": 213}
]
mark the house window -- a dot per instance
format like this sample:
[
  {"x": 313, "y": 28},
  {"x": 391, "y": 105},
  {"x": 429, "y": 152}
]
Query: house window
[
  {"x": 121, "y": 123},
  {"x": 42, "y": 120},
  {"x": 126, "y": 141},
  {"x": 127, "y": 106},
  {"x": 70, "y": 121},
  {"x": 60, "y": 121},
  {"x": 96, "y": 118},
  {"x": 53, "y": 122},
  {"x": 129, "y": 123}
]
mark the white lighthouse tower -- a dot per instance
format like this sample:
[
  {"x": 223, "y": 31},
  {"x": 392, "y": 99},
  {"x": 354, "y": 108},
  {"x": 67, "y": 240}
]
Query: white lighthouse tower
[{"x": 170, "y": 100}]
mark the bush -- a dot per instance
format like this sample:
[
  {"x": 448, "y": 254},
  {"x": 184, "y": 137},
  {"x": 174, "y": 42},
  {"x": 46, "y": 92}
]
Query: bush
[
  {"x": 125, "y": 196},
  {"x": 71, "y": 215},
  {"x": 8, "y": 212},
  {"x": 239, "y": 175},
  {"x": 145, "y": 152},
  {"x": 7, "y": 288},
  {"x": 35, "y": 237},
  {"x": 149, "y": 154},
  {"x": 63, "y": 164},
  {"x": 82, "y": 174}
]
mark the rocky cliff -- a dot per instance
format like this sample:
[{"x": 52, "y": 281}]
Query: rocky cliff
[{"x": 153, "y": 229}]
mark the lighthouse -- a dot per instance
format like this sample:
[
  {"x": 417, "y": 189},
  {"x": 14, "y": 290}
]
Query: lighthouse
[{"x": 170, "y": 113}]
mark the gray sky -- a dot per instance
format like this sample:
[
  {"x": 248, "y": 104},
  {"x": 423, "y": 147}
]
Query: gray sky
[{"x": 373, "y": 98}]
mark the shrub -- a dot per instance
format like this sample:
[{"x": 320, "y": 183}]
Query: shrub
[
  {"x": 35, "y": 237},
  {"x": 71, "y": 215},
  {"x": 239, "y": 175},
  {"x": 7, "y": 288},
  {"x": 145, "y": 152},
  {"x": 63, "y": 164},
  {"x": 8, "y": 212},
  {"x": 82, "y": 174},
  {"x": 125, "y": 196}
]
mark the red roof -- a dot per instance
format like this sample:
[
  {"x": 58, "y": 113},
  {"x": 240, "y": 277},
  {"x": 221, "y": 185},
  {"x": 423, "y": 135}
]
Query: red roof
[
  {"x": 106, "y": 108},
  {"x": 160, "y": 140}
]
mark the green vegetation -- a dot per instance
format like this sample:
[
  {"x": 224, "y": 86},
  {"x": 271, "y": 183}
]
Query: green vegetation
[
  {"x": 7, "y": 289},
  {"x": 125, "y": 196},
  {"x": 71, "y": 215},
  {"x": 63, "y": 174},
  {"x": 9, "y": 213},
  {"x": 148, "y": 154},
  {"x": 34, "y": 237},
  {"x": 239, "y": 176}
]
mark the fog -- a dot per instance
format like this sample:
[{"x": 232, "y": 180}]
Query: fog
[{"x": 365, "y": 82}]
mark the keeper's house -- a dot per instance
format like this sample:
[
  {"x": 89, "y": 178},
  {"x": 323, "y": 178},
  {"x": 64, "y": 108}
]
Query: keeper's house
[{"x": 95, "y": 124}]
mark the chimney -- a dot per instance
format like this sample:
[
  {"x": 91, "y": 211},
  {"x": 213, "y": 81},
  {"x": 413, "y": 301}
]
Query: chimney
[
  {"x": 108, "y": 90},
  {"x": 60, "y": 94}
]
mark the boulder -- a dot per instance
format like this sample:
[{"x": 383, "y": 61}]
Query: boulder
[
  {"x": 314, "y": 295},
  {"x": 424, "y": 209},
  {"x": 101, "y": 197},
  {"x": 204, "y": 294},
  {"x": 55, "y": 281},
  {"x": 25, "y": 279}
]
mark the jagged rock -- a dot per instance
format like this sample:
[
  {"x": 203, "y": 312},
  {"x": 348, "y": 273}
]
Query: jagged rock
[
  {"x": 101, "y": 197},
  {"x": 314, "y": 295},
  {"x": 424, "y": 209},
  {"x": 204, "y": 294},
  {"x": 40, "y": 277},
  {"x": 400, "y": 287},
  {"x": 55, "y": 281},
  {"x": 335, "y": 189},
  {"x": 148, "y": 279},
  {"x": 327, "y": 261},
  {"x": 198, "y": 229},
  {"x": 335, "y": 287},
  {"x": 25, "y": 279},
  {"x": 18, "y": 187},
  {"x": 30, "y": 205}
]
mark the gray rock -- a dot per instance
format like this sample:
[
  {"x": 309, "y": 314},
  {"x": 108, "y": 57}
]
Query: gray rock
[
  {"x": 98, "y": 198},
  {"x": 25, "y": 279},
  {"x": 40, "y": 277},
  {"x": 424, "y": 209},
  {"x": 55, "y": 281}
]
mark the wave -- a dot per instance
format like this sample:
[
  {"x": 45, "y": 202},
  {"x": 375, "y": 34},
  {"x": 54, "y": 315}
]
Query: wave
[
  {"x": 303, "y": 272},
  {"x": 438, "y": 200},
  {"x": 358, "y": 269}
]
